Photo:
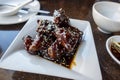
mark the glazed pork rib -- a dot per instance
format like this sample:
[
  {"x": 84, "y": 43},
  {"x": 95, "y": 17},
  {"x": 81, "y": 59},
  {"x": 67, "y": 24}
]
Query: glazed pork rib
[
  {"x": 60, "y": 18},
  {"x": 56, "y": 41},
  {"x": 43, "y": 39}
]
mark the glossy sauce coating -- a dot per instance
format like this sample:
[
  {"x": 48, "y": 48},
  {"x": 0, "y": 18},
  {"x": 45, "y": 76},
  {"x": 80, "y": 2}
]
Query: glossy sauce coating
[{"x": 55, "y": 41}]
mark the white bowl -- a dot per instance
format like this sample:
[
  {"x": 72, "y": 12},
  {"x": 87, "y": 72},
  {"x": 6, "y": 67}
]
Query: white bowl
[
  {"x": 108, "y": 45},
  {"x": 106, "y": 15}
]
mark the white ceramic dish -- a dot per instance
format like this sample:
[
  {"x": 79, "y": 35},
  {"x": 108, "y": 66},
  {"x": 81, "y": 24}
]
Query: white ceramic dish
[
  {"x": 108, "y": 45},
  {"x": 20, "y": 16},
  {"x": 106, "y": 15},
  {"x": 87, "y": 65},
  {"x": 13, "y": 10}
]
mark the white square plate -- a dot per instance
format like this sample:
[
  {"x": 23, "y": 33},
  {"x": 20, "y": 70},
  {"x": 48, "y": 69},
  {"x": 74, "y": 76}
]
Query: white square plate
[{"x": 87, "y": 65}]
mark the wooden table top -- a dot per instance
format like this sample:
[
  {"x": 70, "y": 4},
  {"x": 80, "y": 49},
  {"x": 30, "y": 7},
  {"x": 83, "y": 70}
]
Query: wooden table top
[{"x": 77, "y": 9}]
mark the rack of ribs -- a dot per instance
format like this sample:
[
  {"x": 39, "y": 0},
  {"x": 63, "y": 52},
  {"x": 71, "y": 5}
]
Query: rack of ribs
[{"x": 56, "y": 41}]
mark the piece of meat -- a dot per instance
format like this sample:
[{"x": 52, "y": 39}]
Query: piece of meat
[
  {"x": 55, "y": 51},
  {"x": 60, "y": 18},
  {"x": 68, "y": 38},
  {"x": 27, "y": 42},
  {"x": 32, "y": 46},
  {"x": 37, "y": 44},
  {"x": 46, "y": 27},
  {"x": 43, "y": 39},
  {"x": 63, "y": 37}
]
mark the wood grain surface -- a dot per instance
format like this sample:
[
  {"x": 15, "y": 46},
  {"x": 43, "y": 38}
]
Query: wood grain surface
[{"x": 77, "y": 9}]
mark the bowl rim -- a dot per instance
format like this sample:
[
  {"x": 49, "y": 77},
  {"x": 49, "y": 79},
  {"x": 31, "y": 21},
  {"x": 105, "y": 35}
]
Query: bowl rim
[
  {"x": 101, "y": 2},
  {"x": 109, "y": 51}
]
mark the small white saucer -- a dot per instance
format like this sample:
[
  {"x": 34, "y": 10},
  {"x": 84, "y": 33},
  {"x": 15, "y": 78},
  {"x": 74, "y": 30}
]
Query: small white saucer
[{"x": 20, "y": 16}]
